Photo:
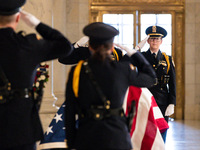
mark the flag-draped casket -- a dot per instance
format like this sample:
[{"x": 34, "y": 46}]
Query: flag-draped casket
[{"x": 146, "y": 124}]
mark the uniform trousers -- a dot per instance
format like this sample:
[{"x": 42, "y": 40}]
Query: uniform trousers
[{"x": 163, "y": 109}]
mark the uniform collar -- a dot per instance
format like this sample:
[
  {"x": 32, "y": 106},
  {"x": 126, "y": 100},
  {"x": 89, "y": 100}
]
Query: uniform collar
[{"x": 154, "y": 52}]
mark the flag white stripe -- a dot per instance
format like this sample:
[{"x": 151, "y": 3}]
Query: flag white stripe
[
  {"x": 53, "y": 145},
  {"x": 157, "y": 113},
  {"x": 142, "y": 118},
  {"x": 124, "y": 106}
]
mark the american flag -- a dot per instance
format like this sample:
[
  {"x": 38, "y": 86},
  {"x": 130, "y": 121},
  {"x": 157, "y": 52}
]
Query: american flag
[
  {"x": 147, "y": 123},
  {"x": 55, "y": 137},
  {"x": 148, "y": 120}
]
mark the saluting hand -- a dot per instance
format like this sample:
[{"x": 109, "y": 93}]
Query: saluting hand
[
  {"x": 141, "y": 44},
  {"x": 29, "y": 19},
  {"x": 128, "y": 50},
  {"x": 81, "y": 42}
]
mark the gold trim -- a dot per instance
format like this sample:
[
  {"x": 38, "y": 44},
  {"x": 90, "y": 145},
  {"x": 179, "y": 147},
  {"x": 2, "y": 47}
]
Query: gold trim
[
  {"x": 155, "y": 34},
  {"x": 122, "y": 2}
]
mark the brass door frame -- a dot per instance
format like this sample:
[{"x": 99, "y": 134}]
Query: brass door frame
[{"x": 174, "y": 7}]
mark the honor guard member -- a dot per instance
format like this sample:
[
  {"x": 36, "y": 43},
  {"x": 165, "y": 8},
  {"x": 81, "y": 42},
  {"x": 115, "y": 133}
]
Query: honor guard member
[
  {"x": 20, "y": 56},
  {"x": 164, "y": 90},
  {"x": 95, "y": 92}
]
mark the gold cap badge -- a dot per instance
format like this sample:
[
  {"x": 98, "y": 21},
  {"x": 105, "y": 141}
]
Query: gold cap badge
[{"x": 153, "y": 28}]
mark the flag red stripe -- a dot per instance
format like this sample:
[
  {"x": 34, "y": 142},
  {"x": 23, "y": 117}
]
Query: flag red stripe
[
  {"x": 150, "y": 132},
  {"x": 145, "y": 129},
  {"x": 134, "y": 94}
]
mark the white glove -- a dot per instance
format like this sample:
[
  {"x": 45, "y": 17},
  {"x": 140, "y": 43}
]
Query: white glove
[
  {"x": 170, "y": 110},
  {"x": 141, "y": 44},
  {"x": 29, "y": 19},
  {"x": 128, "y": 50},
  {"x": 81, "y": 42}
]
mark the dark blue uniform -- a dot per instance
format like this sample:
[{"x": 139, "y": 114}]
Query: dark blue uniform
[
  {"x": 19, "y": 57},
  {"x": 163, "y": 92},
  {"x": 114, "y": 78}
]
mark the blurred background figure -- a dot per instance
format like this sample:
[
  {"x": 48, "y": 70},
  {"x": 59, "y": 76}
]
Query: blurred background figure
[{"x": 20, "y": 56}]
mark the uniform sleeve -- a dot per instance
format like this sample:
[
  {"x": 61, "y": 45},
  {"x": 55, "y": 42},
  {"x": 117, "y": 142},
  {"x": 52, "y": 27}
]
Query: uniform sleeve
[
  {"x": 142, "y": 64},
  {"x": 172, "y": 83},
  {"x": 53, "y": 45},
  {"x": 70, "y": 113},
  {"x": 140, "y": 79},
  {"x": 145, "y": 76},
  {"x": 78, "y": 54}
]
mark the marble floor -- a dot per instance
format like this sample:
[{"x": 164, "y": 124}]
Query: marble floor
[{"x": 182, "y": 135}]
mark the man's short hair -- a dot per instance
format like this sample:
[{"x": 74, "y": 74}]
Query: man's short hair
[{"x": 7, "y": 19}]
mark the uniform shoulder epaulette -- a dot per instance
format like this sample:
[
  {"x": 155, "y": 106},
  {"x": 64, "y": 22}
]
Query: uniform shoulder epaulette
[{"x": 22, "y": 33}]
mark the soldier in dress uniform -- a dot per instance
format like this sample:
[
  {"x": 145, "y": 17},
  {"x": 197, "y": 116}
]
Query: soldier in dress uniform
[
  {"x": 20, "y": 56},
  {"x": 95, "y": 91},
  {"x": 164, "y": 90}
]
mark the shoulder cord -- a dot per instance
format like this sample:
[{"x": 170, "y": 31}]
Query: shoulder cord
[
  {"x": 167, "y": 60},
  {"x": 76, "y": 75},
  {"x": 115, "y": 54}
]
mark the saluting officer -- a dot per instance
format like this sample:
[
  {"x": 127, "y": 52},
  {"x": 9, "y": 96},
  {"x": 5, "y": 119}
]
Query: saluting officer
[
  {"x": 164, "y": 90},
  {"x": 82, "y": 52},
  {"x": 95, "y": 91},
  {"x": 20, "y": 56}
]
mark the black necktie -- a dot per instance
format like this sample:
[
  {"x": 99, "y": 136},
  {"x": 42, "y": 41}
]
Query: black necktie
[
  {"x": 154, "y": 55},
  {"x": 154, "y": 58}
]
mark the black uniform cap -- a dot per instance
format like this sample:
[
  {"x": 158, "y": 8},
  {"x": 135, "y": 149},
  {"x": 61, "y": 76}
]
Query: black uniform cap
[
  {"x": 100, "y": 32},
  {"x": 156, "y": 31},
  {"x": 10, "y": 7}
]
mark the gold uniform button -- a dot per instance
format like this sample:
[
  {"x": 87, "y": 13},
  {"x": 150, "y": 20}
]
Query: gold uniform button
[{"x": 97, "y": 115}]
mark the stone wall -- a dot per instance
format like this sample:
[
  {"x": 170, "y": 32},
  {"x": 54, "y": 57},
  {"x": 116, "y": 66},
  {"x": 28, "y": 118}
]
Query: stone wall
[{"x": 192, "y": 61}]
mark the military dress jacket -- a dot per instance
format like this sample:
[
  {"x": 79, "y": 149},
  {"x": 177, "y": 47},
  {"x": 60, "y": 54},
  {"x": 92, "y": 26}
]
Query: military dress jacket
[
  {"x": 113, "y": 78},
  {"x": 164, "y": 94},
  {"x": 20, "y": 57}
]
